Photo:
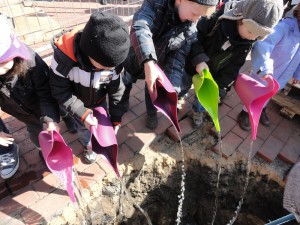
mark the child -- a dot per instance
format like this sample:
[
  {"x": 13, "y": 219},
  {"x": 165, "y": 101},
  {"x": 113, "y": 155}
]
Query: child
[
  {"x": 224, "y": 41},
  {"x": 279, "y": 56},
  {"x": 85, "y": 68},
  {"x": 162, "y": 33},
  {"x": 24, "y": 90}
]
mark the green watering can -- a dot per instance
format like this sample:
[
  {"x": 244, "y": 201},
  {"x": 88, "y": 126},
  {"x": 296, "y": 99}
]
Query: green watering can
[{"x": 207, "y": 92}]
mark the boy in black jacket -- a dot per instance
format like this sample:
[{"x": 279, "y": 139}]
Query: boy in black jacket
[
  {"x": 224, "y": 41},
  {"x": 86, "y": 67}
]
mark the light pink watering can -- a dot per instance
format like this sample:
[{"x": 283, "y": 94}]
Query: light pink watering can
[
  {"x": 254, "y": 95},
  {"x": 59, "y": 158},
  {"x": 103, "y": 139},
  {"x": 164, "y": 98}
]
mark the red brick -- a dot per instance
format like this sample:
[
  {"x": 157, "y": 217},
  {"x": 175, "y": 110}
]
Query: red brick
[
  {"x": 104, "y": 165},
  {"x": 163, "y": 124},
  {"x": 32, "y": 157},
  {"x": 245, "y": 147},
  {"x": 3, "y": 191},
  {"x": 69, "y": 138},
  {"x": 128, "y": 117},
  {"x": 123, "y": 134},
  {"x": 270, "y": 149},
  {"x": 22, "y": 181},
  {"x": 186, "y": 108},
  {"x": 133, "y": 101},
  {"x": 62, "y": 126},
  {"x": 21, "y": 135},
  {"x": 76, "y": 147},
  {"x": 232, "y": 99},
  {"x": 26, "y": 146},
  {"x": 229, "y": 144},
  {"x": 284, "y": 130},
  {"x": 7, "y": 118},
  {"x": 82, "y": 164},
  {"x": 138, "y": 124},
  {"x": 140, "y": 84},
  {"x": 290, "y": 151},
  {"x": 139, "y": 109},
  {"x": 15, "y": 125},
  {"x": 186, "y": 126},
  {"x": 90, "y": 176},
  {"x": 223, "y": 111},
  {"x": 124, "y": 153},
  {"x": 233, "y": 114},
  {"x": 135, "y": 89},
  {"x": 264, "y": 132},
  {"x": 23, "y": 166},
  {"x": 46, "y": 208},
  {"x": 240, "y": 132},
  {"x": 47, "y": 185},
  {"x": 26, "y": 196},
  {"x": 274, "y": 115},
  {"x": 226, "y": 125},
  {"x": 140, "y": 139},
  {"x": 9, "y": 208},
  {"x": 140, "y": 95}
]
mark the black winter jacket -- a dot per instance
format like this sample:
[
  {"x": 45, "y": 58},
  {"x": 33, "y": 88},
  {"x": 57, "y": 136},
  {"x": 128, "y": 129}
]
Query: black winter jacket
[
  {"x": 221, "y": 47},
  {"x": 28, "y": 97},
  {"x": 76, "y": 84}
]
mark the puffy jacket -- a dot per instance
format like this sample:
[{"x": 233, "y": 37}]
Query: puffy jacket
[
  {"x": 77, "y": 85},
  {"x": 28, "y": 97}
]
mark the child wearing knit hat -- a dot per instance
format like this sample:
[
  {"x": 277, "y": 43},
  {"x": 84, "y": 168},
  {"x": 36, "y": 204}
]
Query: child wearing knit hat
[
  {"x": 162, "y": 33},
  {"x": 24, "y": 94},
  {"x": 86, "y": 67},
  {"x": 278, "y": 56},
  {"x": 224, "y": 41}
]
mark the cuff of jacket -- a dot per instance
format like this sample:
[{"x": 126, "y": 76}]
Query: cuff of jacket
[
  {"x": 264, "y": 71},
  {"x": 116, "y": 120},
  {"x": 151, "y": 56},
  {"x": 83, "y": 113},
  {"x": 199, "y": 59}
]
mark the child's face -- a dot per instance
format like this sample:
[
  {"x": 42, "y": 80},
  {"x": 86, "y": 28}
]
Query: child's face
[
  {"x": 192, "y": 11},
  {"x": 98, "y": 66},
  {"x": 6, "y": 66},
  {"x": 245, "y": 33}
]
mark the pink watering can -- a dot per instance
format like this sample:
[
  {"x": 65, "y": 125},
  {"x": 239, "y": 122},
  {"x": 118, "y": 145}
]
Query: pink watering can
[
  {"x": 164, "y": 98},
  {"x": 59, "y": 159},
  {"x": 254, "y": 95},
  {"x": 103, "y": 139}
]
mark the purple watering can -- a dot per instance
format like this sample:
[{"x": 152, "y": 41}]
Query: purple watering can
[
  {"x": 59, "y": 158},
  {"x": 164, "y": 98},
  {"x": 103, "y": 139}
]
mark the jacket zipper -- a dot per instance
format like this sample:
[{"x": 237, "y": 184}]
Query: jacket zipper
[{"x": 92, "y": 88}]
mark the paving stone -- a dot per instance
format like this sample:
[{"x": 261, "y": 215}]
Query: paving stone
[
  {"x": 90, "y": 176},
  {"x": 186, "y": 108},
  {"x": 21, "y": 135},
  {"x": 139, "y": 109},
  {"x": 274, "y": 115},
  {"x": 140, "y": 139},
  {"x": 140, "y": 96},
  {"x": 26, "y": 146},
  {"x": 240, "y": 132},
  {"x": 163, "y": 124},
  {"x": 232, "y": 99},
  {"x": 32, "y": 157},
  {"x": 223, "y": 111},
  {"x": 3, "y": 190},
  {"x": 264, "y": 132},
  {"x": 226, "y": 125},
  {"x": 133, "y": 101},
  {"x": 22, "y": 181},
  {"x": 128, "y": 117},
  {"x": 270, "y": 149},
  {"x": 139, "y": 123},
  {"x": 9, "y": 208},
  {"x": 123, "y": 134},
  {"x": 233, "y": 114},
  {"x": 26, "y": 196},
  {"x": 43, "y": 210},
  {"x": 47, "y": 185},
  {"x": 290, "y": 151},
  {"x": 229, "y": 144},
  {"x": 186, "y": 126},
  {"x": 284, "y": 130},
  {"x": 245, "y": 147},
  {"x": 124, "y": 153},
  {"x": 69, "y": 138},
  {"x": 77, "y": 147},
  {"x": 82, "y": 164},
  {"x": 14, "y": 125}
]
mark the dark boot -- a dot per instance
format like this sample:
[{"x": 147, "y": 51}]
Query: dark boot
[
  {"x": 70, "y": 123},
  {"x": 152, "y": 121},
  {"x": 103, "y": 2},
  {"x": 125, "y": 98},
  {"x": 264, "y": 119},
  {"x": 243, "y": 120}
]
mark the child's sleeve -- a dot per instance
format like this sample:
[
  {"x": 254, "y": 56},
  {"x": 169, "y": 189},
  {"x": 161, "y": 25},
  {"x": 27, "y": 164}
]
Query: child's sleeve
[
  {"x": 62, "y": 91},
  {"x": 262, "y": 64},
  {"x": 141, "y": 32},
  {"x": 204, "y": 27},
  {"x": 40, "y": 79}
]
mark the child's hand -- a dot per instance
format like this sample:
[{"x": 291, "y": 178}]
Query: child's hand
[
  {"x": 200, "y": 67},
  {"x": 151, "y": 74},
  {"x": 265, "y": 76},
  {"x": 52, "y": 126},
  {"x": 116, "y": 128},
  {"x": 5, "y": 139},
  {"x": 90, "y": 120}
]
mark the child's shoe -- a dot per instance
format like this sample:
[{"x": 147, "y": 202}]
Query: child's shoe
[
  {"x": 198, "y": 119},
  {"x": 89, "y": 155},
  {"x": 9, "y": 160},
  {"x": 264, "y": 118},
  {"x": 243, "y": 120}
]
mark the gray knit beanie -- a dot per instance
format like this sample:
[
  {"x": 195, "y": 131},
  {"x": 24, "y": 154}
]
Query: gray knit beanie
[
  {"x": 259, "y": 16},
  {"x": 206, "y": 2}
]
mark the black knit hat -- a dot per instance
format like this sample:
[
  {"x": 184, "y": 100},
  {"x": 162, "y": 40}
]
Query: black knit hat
[
  {"x": 105, "y": 38},
  {"x": 206, "y": 2}
]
